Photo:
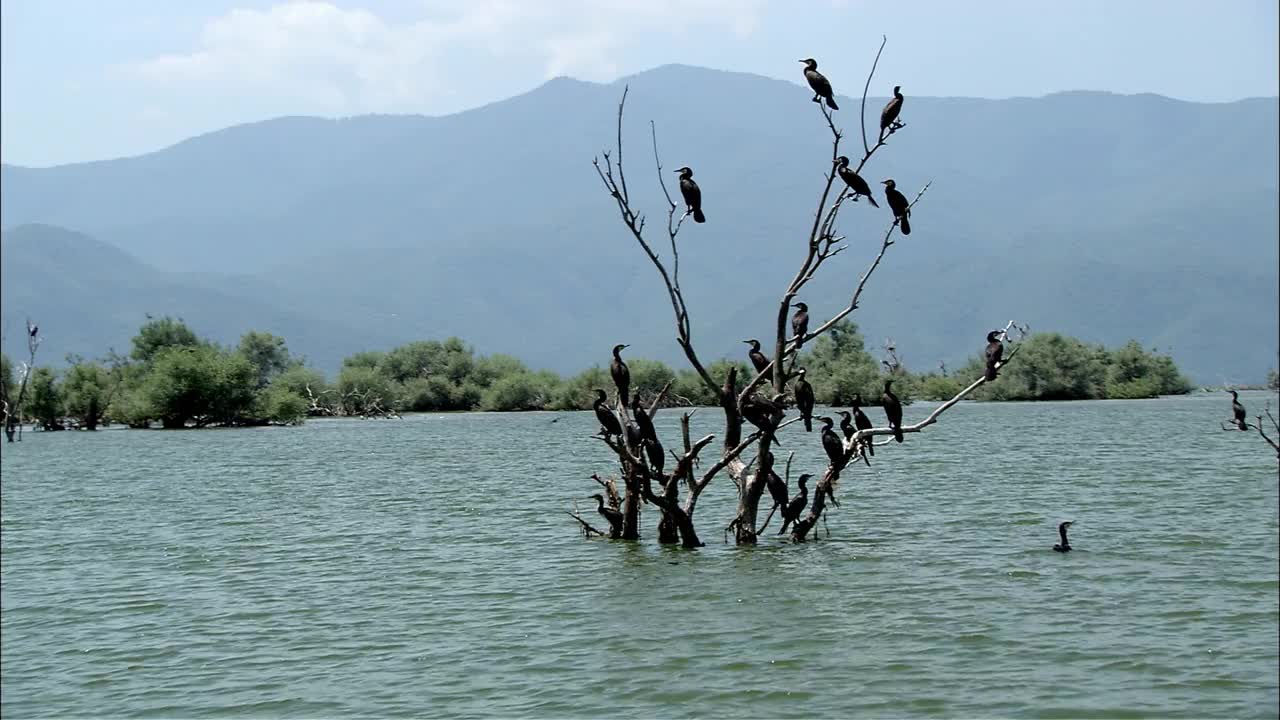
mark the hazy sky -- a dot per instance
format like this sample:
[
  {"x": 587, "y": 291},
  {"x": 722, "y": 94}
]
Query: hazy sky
[{"x": 91, "y": 79}]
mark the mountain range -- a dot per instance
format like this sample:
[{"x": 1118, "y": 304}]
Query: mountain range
[{"x": 1104, "y": 216}]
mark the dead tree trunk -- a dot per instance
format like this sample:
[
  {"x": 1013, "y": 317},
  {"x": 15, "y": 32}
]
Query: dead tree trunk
[
  {"x": 13, "y": 415},
  {"x": 821, "y": 243}
]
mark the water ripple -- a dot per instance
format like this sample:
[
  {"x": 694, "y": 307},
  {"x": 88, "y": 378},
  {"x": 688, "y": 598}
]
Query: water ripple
[{"x": 423, "y": 568}]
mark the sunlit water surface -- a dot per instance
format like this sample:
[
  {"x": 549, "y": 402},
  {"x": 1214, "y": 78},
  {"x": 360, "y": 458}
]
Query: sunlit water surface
[{"x": 425, "y": 567}]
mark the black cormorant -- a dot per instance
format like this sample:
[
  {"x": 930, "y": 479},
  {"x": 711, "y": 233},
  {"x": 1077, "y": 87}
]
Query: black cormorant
[
  {"x": 758, "y": 360},
  {"x": 791, "y": 511},
  {"x": 891, "y": 109},
  {"x": 764, "y": 414},
  {"x": 855, "y": 181},
  {"x": 35, "y": 329},
  {"x": 1062, "y": 533},
  {"x": 898, "y": 203},
  {"x": 1238, "y": 412},
  {"x": 846, "y": 423},
  {"x": 608, "y": 421},
  {"x": 862, "y": 422},
  {"x": 804, "y": 400},
  {"x": 831, "y": 443},
  {"x": 613, "y": 515},
  {"x": 777, "y": 488},
  {"x": 821, "y": 86},
  {"x": 995, "y": 351},
  {"x": 621, "y": 374},
  {"x": 800, "y": 323},
  {"x": 657, "y": 456},
  {"x": 892, "y": 410},
  {"x": 642, "y": 420},
  {"x": 692, "y": 195}
]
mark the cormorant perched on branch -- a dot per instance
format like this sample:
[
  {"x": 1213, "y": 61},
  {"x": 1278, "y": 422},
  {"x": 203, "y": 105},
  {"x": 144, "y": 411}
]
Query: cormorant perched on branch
[
  {"x": 892, "y": 410},
  {"x": 898, "y": 203},
  {"x": 995, "y": 351},
  {"x": 1237, "y": 411},
  {"x": 831, "y": 443},
  {"x": 608, "y": 421},
  {"x": 821, "y": 86},
  {"x": 846, "y": 423},
  {"x": 791, "y": 511},
  {"x": 635, "y": 438},
  {"x": 758, "y": 360},
  {"x": 643, "y": 421},
  {"x": 657, "y": 456},
  {"x": 1062, "y": 533},
  {"x": 34, "y": 329},
  {"x": 764, "y": 414},
  {"x": 800, "y": 323},
  {"x": 854, "y": 181},
  {"x": 804, "y": 400},
  {"x": 613, "y": 515},
  {"x": 621, "y": 374},
  {"x": 862, "y": 422},
  {"x": 889, "y": 115},
  {"x": 692, "y": 195},
  {"x": 777, "y": 488}
]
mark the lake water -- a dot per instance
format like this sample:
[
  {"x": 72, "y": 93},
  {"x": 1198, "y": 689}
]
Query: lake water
[{"x": 424, "y": 567}]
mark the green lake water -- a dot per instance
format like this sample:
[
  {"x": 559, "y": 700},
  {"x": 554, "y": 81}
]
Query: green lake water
[{"x": 425, "y": 567}]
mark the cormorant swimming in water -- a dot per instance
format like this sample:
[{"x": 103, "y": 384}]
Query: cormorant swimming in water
[
  {"x": 1062, "y": 533},
  {"x": 621, "y": 374},
  {"x": 607, "y": 419},
  {"x": 898, "y": 204},
  {"x": 692, "y": 195},
  {"x": 891, "y": 110},
  {"x": 800, "y": 323},
  {"x": 854, "y": 181},
  {"x": 791, "y": 511},
  {"x": 862, "y": 422},
  {"x": 804, "y": 400},
  {"x": 995, "y": 351},
  {"x": 831, "y": 443},
  {"x": 642, "y": 420},
  {"x": 758, "y": 360},
  {"x": 892, "y": 410},
  {"x": 1237, "y": 411},
  {"x": 821, "y": 86},
  {"x": 613, "y": 515}
]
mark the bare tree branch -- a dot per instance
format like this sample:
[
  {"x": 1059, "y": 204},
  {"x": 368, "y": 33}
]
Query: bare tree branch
[
  {"x": 635, "y": 223},
  {"x": 13, "y": 416},
  {"x": 867, "y": 88}
]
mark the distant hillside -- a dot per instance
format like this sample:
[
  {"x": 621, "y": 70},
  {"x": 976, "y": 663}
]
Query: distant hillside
[
  {"x": 1099, "y": 215},
  {"x": 88, "y": 296}
]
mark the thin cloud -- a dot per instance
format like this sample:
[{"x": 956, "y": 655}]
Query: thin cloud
[{"x": 337, "y": 59}]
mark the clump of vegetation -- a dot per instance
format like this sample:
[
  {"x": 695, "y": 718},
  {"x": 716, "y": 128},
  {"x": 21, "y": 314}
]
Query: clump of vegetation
[
  {"x": 174, "y": 378},
  {"x": 1052, "y": 366}
]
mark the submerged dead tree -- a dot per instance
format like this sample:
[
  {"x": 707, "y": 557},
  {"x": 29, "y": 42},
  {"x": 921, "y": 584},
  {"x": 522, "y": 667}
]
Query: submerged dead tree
[
  {"x": 762, "y": 400},
  {"x": 12, "y": 408},
  {"x": 1239, "y": 421}
]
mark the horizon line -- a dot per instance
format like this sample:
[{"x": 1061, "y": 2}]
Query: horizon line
[{"x": 617, "y": 81}]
